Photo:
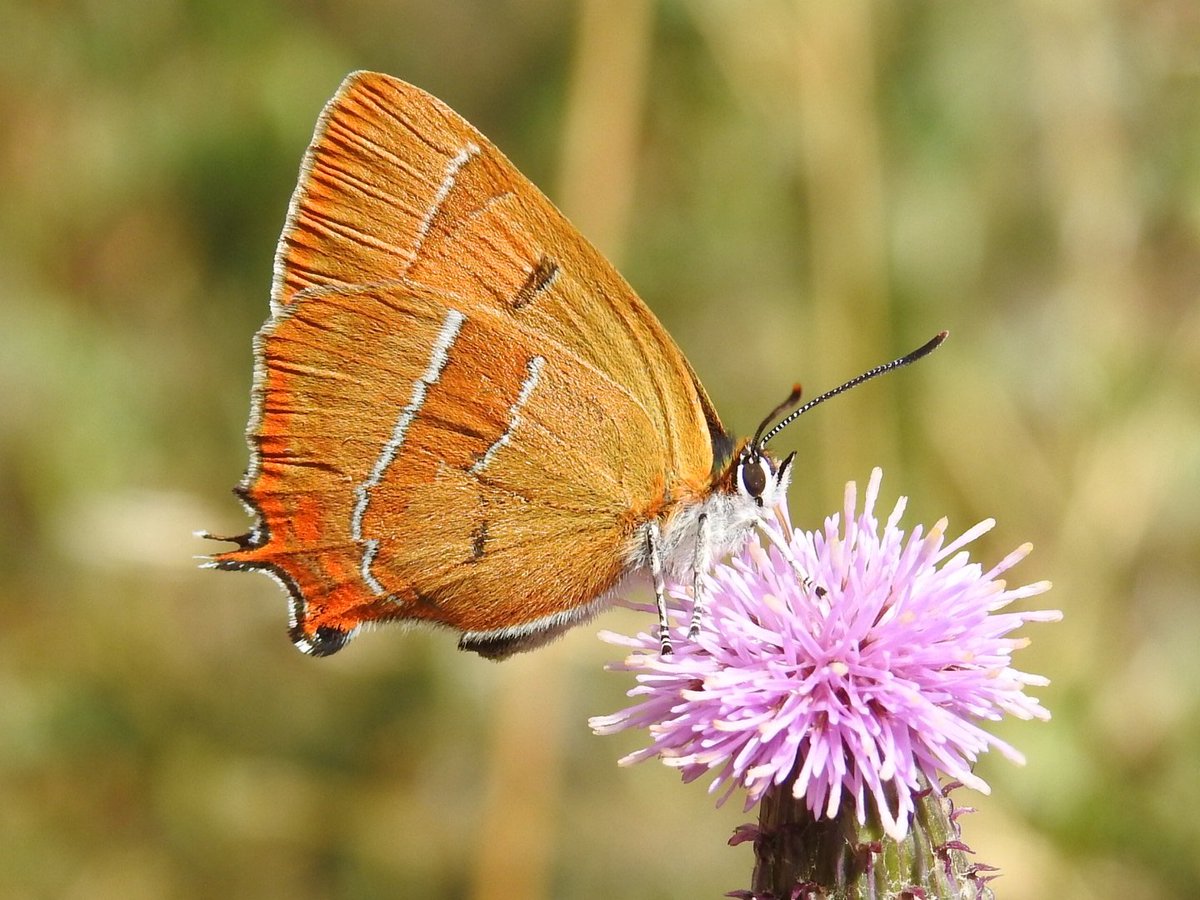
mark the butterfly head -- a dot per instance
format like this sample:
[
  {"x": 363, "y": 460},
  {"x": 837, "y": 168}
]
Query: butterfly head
[
  {"x": 746, "y": 491},
  {"x": 753, "y": 475},
  {"x": 756, "y": 477}
]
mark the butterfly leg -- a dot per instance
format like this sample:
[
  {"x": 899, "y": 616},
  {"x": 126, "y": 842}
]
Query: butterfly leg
[
  {"x": 699, "y": 567},
  {"x": 805, "y": 582},
  {"x": 809, "y": 586},
  {"x": 654, "y": 548},
  {"x": 802, "y": 577}
]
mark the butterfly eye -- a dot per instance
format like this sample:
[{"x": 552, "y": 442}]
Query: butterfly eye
[{"x": 754, "y": 477}]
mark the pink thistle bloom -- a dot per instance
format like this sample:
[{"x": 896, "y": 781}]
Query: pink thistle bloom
[{"x": 867, "y": 683}]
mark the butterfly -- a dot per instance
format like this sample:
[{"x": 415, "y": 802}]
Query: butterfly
[{"x": 462, "y": 415}]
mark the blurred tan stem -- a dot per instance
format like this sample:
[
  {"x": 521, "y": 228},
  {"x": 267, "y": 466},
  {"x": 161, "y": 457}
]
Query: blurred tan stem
[
  {"x": 604, "y": 117},
  {"x": 841, "y": 163},
  {"x": 518, "y": 832}
]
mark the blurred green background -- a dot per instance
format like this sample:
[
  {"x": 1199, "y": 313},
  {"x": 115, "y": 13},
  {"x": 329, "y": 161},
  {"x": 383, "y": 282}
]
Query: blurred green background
[{"x": 799, "y": 191}]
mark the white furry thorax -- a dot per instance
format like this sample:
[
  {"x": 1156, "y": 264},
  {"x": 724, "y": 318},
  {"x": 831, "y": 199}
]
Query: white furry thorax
[{"x": 729, "y": 517}]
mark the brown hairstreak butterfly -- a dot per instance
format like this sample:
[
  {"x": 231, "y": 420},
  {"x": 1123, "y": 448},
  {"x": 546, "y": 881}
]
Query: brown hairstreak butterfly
[{"x": 462, "y": 414}]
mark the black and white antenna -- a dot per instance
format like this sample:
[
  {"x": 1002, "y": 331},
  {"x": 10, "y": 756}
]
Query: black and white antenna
[{"x": 902, "y": 361}]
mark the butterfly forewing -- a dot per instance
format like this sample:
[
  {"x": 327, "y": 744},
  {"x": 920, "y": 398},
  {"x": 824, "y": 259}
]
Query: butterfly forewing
[{"x": 396, "y": 184}]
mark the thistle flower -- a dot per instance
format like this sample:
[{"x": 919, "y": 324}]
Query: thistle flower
[{"x": 864, "y": 683}]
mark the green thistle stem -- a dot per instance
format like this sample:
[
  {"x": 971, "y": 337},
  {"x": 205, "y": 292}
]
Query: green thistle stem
[{"x": 801, "y": 858}]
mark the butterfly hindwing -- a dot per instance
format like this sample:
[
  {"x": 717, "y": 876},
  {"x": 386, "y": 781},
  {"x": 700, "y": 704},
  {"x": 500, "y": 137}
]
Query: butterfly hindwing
[{"x": 451, "y": 482}]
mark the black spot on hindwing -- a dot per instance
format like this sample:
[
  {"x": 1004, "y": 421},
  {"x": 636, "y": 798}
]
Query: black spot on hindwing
[{"x": 478, "y": 540}]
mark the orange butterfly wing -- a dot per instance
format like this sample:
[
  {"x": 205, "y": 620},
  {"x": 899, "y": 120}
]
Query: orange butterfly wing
[
  {"x": 462, "y": 412},
  {"x": 397, "y": 185}
]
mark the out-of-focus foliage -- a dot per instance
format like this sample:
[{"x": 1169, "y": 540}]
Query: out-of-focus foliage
[{"x": 800, "y": 191}]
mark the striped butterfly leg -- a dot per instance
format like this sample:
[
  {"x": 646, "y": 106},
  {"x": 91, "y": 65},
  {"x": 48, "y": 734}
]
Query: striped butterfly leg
[
  {"x": 654, "y": 548},
  {"x": 702, "y": 561}
]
